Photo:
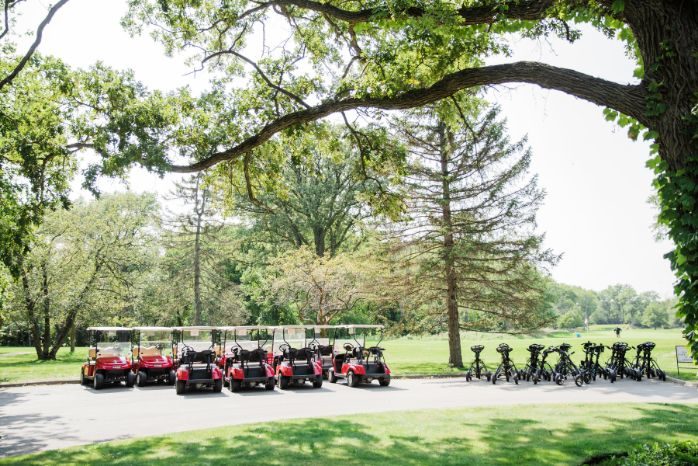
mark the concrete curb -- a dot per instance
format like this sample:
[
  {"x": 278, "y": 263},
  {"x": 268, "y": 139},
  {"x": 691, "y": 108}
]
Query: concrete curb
[
  {"x": 687, "y": 383},
  {"x": 38, "y": 382}
]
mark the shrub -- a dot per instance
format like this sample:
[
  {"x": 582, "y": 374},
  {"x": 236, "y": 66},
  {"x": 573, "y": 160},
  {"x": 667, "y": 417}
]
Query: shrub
[{"x": 663, "y": 454}]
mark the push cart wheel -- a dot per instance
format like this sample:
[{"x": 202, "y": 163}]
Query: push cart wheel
[
  {"x": 142, "y": 379},
  {"x": 331, "y": 376},
  {"x": 516, "y": 380},
  {"x": 284, "y": 382},
  {"x": 171, "y": 378},
  {"x": 130, "y": 379},
  {"x": 578, "y": 381},
  {"x": 181, "y": 387},
  {"x": 270, "y": 384},
  {"x": 535, "y": 380},
  {"x": 384, "y": 382},
  {"x": 488, "y": 375},
  {"x": 317, "y": 383},
  {"x": 468, "y": 377},
  {"x": 558, "y": 379},
  {"x": 217, "y": 385},
  {"x": 98, "y": 380}
]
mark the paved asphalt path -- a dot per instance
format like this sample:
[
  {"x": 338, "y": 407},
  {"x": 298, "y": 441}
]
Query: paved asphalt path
[{"x": 47, "y": 417}]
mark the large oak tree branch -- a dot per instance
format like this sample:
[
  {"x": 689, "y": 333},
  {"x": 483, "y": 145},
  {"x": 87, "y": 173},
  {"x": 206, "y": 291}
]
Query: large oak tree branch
[
  {"x": 627, "y": 99},
  {"x": 525, "y": 10},
  {"x": 32, "y": 48}
]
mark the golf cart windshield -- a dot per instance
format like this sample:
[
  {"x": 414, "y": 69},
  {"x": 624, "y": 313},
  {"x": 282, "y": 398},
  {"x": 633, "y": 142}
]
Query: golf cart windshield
[
  {"x": 243, "y": 338},
  {"x": 198, "y": 339},
  {"x": 155, "y": 343},
  {"x": 366, "y": 337},
  {"x": 113, "y": 342},
  {"x": 295, "y": 337}
]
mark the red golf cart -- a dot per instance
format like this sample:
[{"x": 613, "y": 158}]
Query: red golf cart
[
  {"x": 152, "y": 355},
  {"x": 247, "y": 360},
  {"x": 107, "y": 360},
  {"x": 294, "y": 362},
  {"x": 196, "y": 352},
  {"x": 359, "y": 363}
]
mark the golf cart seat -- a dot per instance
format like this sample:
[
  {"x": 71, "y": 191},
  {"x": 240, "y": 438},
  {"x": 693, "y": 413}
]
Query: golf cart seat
[
  {"x": 325, "y": 350},
  {"x": 258, "y": 355},
  {"x": 205, "y": 356},
  {"x": 146, "y": 351},
  {"x": 303, "y": 353}
]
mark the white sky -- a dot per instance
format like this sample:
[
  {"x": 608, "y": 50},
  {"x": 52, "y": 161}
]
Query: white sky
[{"x": 595, "y": 212}]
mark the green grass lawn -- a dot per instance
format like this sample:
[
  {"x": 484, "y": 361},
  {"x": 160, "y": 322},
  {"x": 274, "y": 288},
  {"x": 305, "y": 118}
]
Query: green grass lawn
[
  {"x": 406, "y": 356},
  {"x": 548, "y": 434},
  {"x": 19, "y": 364}
]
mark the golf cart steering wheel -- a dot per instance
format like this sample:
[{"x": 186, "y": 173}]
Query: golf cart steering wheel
[
  {"x": 348, "y": 347},
  {"x": 313, "y": 346}
]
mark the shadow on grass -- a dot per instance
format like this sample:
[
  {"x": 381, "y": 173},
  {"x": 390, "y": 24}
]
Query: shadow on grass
[{"x": 427, "y": 437}]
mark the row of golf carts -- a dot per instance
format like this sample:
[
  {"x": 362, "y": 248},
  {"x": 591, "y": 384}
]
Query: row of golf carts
[{"x": 237, "y": 357}]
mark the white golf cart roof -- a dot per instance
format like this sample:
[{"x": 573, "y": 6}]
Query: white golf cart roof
[
  {"x": 109, "y": 329},
  {"x": 153, "y": 329},
  {"x": 195, "y": 327},
  {"x": 329, "y": 326},
  {"x": 301, "y": 326},
  {"x": 365, "y": 326},
  {"x": 247, "y": 327}
]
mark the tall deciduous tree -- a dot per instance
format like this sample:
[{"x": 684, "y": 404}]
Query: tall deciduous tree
[
  {"x": 471, "y": 233},
  {"x": 85, "y": 263},
  {"x": 318, "y": 191}
]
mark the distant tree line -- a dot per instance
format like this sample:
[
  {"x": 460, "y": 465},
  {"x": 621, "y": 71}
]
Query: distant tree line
[{"x": 617, "y": 304}]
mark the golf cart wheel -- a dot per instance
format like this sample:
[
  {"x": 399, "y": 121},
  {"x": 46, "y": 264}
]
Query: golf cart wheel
[
  {"x": 171, "y": 378},
  {"x": 217, "y": 385},
  {"x": 142, "y": 379},
  {"x": 82, "y": 377},
  {"x": 317, "y": 383},
  {"x": 284, "y": 382},
  {"x": 352, "y": 380},
  {"x": 130, "y": 379},
  {"x": 331, "y": 376},
  {"x": 181, "y": 387},
  {"x": 270, "y": 384},
  {"x": 235, "y": 385},
  {"x": 98, "y": 381},
  {"x": 385, "y": 382}
]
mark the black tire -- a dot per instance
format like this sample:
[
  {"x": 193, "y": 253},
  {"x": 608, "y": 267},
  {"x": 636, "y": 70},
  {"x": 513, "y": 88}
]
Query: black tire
[
  {"x": 384, "y": 382},
  {"x": 516, "y": 380},
  {"x": 98, "y": 381},
  {"x": 468, "y": 378},
  {"x": 331, "y": 376},
  {"x": 494, "y": 377},
  {"x": 352, "y": 380},
  {"x": 489, "y": 375},
  {"x": 82, "y": 377},
  {"x": 317, "y": 383},
  {"x": 130, "y": 379},
  {"x": 171, "y": 377},
  {"x": 284, "y": 382},
  {"x": 271, "y": 383},
  {"x": 142, "y": 379},
  {"x": 558, "y": 379},
  {"x": 235, "y": 385},
  {"x": 578, "y": 381},
  {"x": 535, "y": 380},
  {"x": 218, "y": 385},
  {"x": 181, "y": 387}
]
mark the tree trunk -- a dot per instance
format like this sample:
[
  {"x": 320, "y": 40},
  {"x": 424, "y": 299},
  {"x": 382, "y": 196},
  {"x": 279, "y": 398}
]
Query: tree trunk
[
  {"x": 46, "y": 307},
  {"x": 72, "y": 339},
  {"x": 455, "y": 356},
  {"x": 319, "y": 235},
  {"x": 199, "y": 210}
]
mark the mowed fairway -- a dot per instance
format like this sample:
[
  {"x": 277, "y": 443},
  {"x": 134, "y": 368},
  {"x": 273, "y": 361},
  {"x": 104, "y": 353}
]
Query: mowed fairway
[
  {"x": 522, "y": 435},
  {"x": 406, "y": 356}
]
